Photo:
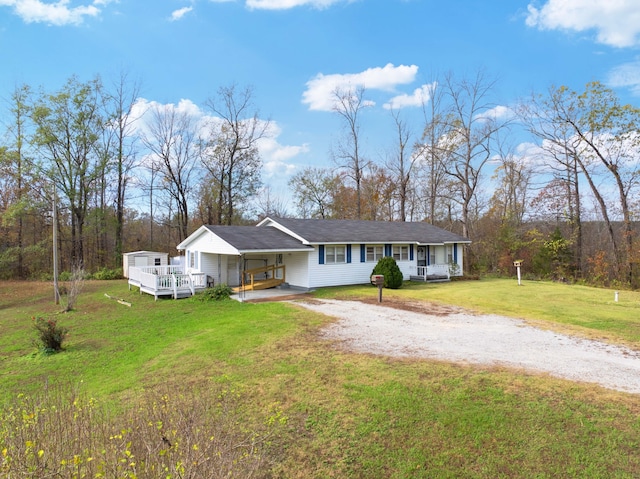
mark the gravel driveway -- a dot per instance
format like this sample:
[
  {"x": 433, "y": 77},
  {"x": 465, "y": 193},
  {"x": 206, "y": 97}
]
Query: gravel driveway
[{"x": 456, "y": 335}]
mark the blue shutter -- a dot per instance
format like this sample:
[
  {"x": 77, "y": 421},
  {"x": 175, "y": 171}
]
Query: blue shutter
[
  {"x": 410, "y": 252},
  {"x": 363, "y": 253},
  {"x": 348, "y": 253},
  {"x": 455, "y": 252},
  {"x": 321, "y": 254},
  {"x": 428, "y": 256},
  {"x": 388, "y": 250}
]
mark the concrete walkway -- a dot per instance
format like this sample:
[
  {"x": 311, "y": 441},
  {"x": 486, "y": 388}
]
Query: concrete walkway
[{"x": 273, "y": 294}]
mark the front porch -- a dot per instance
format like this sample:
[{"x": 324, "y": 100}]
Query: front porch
[
  {"x": 432, "y": 273},
  {"x": 167, "y": 281}
]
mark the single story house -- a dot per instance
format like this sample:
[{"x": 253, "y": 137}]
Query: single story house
[{"x": 311, "y": 253}]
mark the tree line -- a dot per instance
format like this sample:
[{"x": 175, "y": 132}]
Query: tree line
[{"x": 127, "y": 175}]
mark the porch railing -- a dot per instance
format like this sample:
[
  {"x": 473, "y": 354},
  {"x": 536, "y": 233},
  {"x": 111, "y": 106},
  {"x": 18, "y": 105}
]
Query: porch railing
[
  {"x": 441, "y": 270},
  {"x": 270, "y": 272},
  {"x": 163, "y": 279}
]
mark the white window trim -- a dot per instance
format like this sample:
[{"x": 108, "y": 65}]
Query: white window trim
[
  {"x": 401, "y": 251},
  {"x": 376, "y": 249},
  {"x": 334, "y": 256}
]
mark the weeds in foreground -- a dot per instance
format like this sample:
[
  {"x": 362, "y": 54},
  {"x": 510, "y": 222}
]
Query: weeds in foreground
[{"x": 176, "y": 433}]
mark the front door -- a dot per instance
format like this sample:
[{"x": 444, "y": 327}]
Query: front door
[
  {"x": 422, "y": 255},
  {"x": 233, "y": 273}
]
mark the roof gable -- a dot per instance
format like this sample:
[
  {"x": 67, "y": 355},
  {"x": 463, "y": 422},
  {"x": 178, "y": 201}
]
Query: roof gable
[{"x": 250, "y": 238}]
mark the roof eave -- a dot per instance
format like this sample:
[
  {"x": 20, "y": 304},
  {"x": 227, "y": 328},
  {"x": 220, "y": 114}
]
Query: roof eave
[{"x": 278, "y": 250}]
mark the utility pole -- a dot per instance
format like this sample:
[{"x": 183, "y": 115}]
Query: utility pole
[{"x": 56, "y": 292}]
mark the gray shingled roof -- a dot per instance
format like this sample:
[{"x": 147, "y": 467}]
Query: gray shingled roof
[
  {"x": 250, "y": 238},
  {"x": 354, "y": 231}
]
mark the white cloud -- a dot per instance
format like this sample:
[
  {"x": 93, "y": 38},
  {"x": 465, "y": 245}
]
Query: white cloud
[
  {"x": 419, "y": 97},
  {"x": 275, "y": 156},
  {"x": 57, "y": 13},
  {"x": 499, "y": 112},
  {"x": 617, "y": 22},
  {"x": 286, "y": 4},
  {"x": 626, "y": 75},
  {"x": 319, "y": 94},
  {"x": 178, "y": 14}
]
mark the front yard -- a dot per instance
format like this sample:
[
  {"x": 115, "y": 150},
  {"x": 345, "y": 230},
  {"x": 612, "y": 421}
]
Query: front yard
[{"x": 313, "y": 409}]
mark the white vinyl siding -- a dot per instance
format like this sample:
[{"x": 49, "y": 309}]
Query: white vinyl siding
[
  {"x": 297, "y": 268},
  {"x": 356, "y": 272}
]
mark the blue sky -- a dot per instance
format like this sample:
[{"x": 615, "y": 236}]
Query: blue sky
[{"x": 294, "y": 52}]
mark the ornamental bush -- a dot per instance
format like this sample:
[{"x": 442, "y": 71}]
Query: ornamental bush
[
  {"x": 50, "y": 334},
  {"x": 218, "y": 293},
  {"x": 388, "y": 267}
]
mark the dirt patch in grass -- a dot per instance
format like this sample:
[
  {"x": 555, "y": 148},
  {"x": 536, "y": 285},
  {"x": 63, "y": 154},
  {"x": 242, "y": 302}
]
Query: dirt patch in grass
[{"x": 423, "y": 307}]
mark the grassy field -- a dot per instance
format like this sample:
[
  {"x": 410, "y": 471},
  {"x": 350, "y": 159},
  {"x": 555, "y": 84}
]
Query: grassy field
[{"x": 322, "y": 412}]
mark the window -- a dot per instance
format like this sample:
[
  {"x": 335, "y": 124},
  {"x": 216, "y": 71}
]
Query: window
[
  {"x": 400, "y": 253},
  {"x": 432, "y": 255},
  {"x": 192, "y": 260},
  {"x": 157, "y": 261},
  {"x": 374, "y": 253},
  {"x": 449, "y": 253},
  {"x": 335, "y": 254}
]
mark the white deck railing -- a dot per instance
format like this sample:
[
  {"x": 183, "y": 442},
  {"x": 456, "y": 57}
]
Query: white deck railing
[
  {"x": 163, "y": 280},
  {"x": 434, "y": 270}
]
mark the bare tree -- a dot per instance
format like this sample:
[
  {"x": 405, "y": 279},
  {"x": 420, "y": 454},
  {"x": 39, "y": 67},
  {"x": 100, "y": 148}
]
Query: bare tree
[
  {"x": 610, "y": 133},
  {"x": 600, "y": 138},
  {"x": 470, "y": 131},
  {"x": 430, "y": 152},
  {"x": 562, "y": 152},
  {"x": 514, "y": 176},
  {"x": 313, "y": 191},
  {"x": 349, "y": 104},
  {"x": 230, "y": 152},
  {"x": 401, "y": 163},
  {"x": 171, "y": 142},
  {"x": 120, "y": 146},
  {"x": 269, "y": 204}
]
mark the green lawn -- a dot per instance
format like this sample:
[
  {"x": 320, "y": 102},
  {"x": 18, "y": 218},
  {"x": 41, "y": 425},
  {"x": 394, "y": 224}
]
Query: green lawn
[{"x": 347, "y": 415}]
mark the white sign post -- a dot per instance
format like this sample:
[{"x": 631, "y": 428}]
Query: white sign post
[{"x": 517, "y": 264}]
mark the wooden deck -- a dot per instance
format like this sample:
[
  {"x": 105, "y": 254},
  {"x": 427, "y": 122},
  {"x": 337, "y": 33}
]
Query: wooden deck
[{"x": 166, "y": 281}]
